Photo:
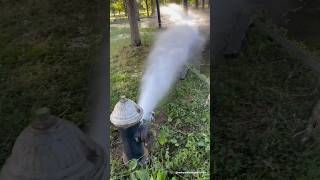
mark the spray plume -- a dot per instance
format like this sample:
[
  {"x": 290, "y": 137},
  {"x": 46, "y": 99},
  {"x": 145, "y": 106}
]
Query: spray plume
[{"x": 171, "y": 52}]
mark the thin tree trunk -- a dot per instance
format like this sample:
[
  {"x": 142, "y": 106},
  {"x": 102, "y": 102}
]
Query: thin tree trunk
[
  {"x": 153, "y": 8},
  {"x": 158, "y": 13},
  {"x": 147, "y": 6},
  {"x": 133, "y": 21},
  {"x": 203, "y": 4},
  {"x": 138, "y": 15},
  {"x": 197, "y": 4},
  {"x": 137, "y": 10},
  {"x": 125, "y": 8}
]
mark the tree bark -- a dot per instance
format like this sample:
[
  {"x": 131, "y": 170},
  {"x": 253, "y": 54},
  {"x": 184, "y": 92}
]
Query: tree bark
[
  {"x": 153, "y": 8},
  {"x": 158, "y": 13},
  {"x": 137, "y": 10},
  {"x": 125, "y": 8},
  {"x": 133, "y": 21},
  {"x": 147, "y": 6}
]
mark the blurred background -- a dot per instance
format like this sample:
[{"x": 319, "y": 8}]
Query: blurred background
[
  {"x": 266, "y": 74},
  {"x": 49, "y": 49}
]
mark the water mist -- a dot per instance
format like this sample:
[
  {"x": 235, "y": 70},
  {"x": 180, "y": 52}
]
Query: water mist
[{"x": 171, "y": 52}]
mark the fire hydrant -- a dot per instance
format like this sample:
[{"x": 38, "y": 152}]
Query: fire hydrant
[
  {"x": 134, "y": 133},
  {"x": 53, "y": 149}
]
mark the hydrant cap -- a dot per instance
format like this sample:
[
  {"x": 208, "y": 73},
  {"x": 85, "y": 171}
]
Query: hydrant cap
[
  {"x": 43, "y": 119},
  {"x": 126, "y": 113}
]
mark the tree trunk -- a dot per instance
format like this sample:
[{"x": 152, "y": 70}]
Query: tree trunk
[
  {"x": 147, "y": 6},
  {"x": 125, "y": 8},
  {"x": 153, "y": 8},
  {"x": 203, "y": 4},
  {"x": 133, "y": 21},
  {"x": 197, "y": 4},
  {"x": 137, "y": 10},
  {"x": 158, "y": 13}
]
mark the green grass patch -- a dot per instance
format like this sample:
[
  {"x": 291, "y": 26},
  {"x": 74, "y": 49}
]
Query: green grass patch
[
  {"x": 47, "y": 53},
  {"x": 263, "y": 99}
]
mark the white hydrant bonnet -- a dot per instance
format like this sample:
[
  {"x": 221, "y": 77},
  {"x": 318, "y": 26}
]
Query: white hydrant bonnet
[{"x": 126, "y": 113}]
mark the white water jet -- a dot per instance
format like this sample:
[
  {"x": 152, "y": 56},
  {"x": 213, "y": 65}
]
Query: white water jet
[{"x": 171, "y": 52}]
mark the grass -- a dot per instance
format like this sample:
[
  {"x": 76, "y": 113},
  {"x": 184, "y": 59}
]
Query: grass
[
  {"x": 47, "y": 52},
  {"x": 263, "y": 99},
  {"x": 182, "y": 119}
]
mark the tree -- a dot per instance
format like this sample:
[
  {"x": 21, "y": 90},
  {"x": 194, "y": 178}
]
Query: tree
[
  {"x": 197, "y": 4},
  {"x": 153, "y": 7},
  {"x": 117, "y": 6},
  {"x": 125, "y": 8},
  {"x": 203, "y": 4},
  {"x": 158, "y": 13},
  {"x": 113, "y": 10},
  {"x": 133, "y": 21},
  {"x": 137, "y": 10},
  {"x": 147, "y": 7}
]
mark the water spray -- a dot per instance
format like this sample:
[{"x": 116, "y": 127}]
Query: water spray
[{"x": 167, "y": 60}]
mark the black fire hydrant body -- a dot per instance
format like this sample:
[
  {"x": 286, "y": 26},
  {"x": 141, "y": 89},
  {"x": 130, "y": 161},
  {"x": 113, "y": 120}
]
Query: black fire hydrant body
[{"x": 134, "y": 134}]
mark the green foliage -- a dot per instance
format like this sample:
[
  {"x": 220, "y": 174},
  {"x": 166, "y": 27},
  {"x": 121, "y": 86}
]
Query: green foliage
[
  {"x": 162, "y": 137},
  {"x": 161, "y": 175},
  {"x": 117, "y": 6},
  {"x": 133, "y": 164},
  {"x": 142, "y": 174}
]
